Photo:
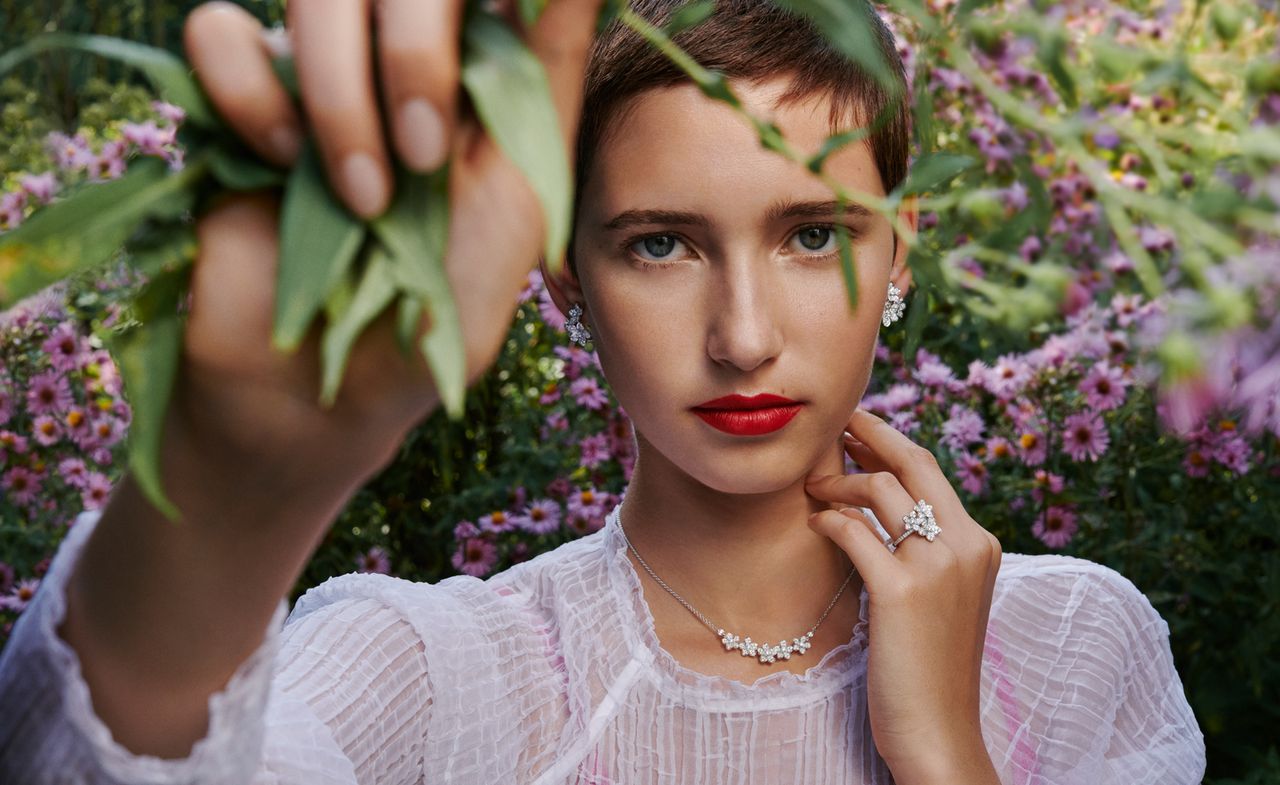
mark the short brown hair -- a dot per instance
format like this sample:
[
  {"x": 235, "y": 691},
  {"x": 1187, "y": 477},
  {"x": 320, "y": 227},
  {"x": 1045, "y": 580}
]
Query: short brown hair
[{"x": 750, "y": 40}]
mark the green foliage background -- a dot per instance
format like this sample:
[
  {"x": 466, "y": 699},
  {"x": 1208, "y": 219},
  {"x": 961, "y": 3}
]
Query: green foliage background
[{"x": 1204, "y": 552}]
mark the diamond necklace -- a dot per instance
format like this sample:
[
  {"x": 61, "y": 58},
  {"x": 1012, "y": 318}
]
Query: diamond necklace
[{"x": 749, "y": 648}]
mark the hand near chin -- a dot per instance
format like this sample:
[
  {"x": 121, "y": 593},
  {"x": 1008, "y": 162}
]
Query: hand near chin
[{"x": 929, "y": 604}]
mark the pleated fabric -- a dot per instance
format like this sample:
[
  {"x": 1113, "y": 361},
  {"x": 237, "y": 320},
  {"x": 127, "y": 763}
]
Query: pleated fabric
[{"x": 551, "y": 672}]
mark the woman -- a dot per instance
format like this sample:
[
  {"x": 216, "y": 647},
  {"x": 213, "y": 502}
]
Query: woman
[{"x": 705, "y": 269}]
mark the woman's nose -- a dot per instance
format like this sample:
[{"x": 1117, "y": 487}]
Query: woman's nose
[{"x": 744, "y": 319}]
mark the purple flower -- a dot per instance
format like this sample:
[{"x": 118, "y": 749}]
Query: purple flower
[
  {"x": 171, "y": 114},
  {"x": 1084, "y": 436},
  {"x": 21, "y": 595},
  {"x": 1104, "y": 387},
  {"x": 541, "y": 517},
  {"x": 1196, "y": 462},
  {"x": 595, "y": 450},
  {"x": 65, "y": 347},
  {"x": 1234, "y": 452},
  {"x": 973, "y": 473},
  {"x": 1008, "y": 376},
  {"x": 904, "y": 421},
  {"x": 70, "y": 153},
  {"x": 74, "y": 472},
  {"x": 1056, "y": 526},
  {"x": 374, "y": 560},
  {"x": 22, "y": 484},
  {"x": 40, "y": 187},
  {"x": 964, "y": 427},
  {"x": 46, "y": 430},
  {"x": 465, "y": 529},
  {"x": 475, "y": 557},
  {"x": 932, "y": 372},
  {"x": 497, "y": 522},
  {"x": 149, "y": 138},
  {"x": 1046, "y": 481},
  {"x": 49, "y": 393},
  {"x": 96, "y": 490},
  {"x": 13, "y": 209},
  {"x": 1032, "y": 447},
  {"x": 109, "y": 163},
  {"x": 6, "y": 403},
  {"x": 587, "y": 392}
]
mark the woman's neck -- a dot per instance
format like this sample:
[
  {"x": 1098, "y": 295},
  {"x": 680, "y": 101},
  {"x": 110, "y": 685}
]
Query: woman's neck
[{"x": 750, "y": 563}]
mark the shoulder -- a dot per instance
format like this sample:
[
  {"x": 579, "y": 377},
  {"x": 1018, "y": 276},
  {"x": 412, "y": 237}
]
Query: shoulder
[
  {"x": 1076, "y": 592},
  {"x": 1069, "y": 629}
]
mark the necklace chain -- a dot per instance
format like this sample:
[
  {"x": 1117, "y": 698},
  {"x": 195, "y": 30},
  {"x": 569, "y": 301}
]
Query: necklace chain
[{"x": 749, "y": 648}]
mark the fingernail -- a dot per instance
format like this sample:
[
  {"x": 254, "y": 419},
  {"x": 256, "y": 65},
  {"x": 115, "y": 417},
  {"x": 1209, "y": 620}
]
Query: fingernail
[
  {"x": 848, "y": 437},
  {"x": 364, "y": 184},
  {"x": 285, "y": 141},
  {"x": 421, "y": 134}
]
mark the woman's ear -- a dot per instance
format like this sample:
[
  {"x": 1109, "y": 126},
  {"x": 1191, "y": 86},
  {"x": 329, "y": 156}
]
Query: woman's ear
[
  {"x": 563, "y": 287},
  {"x": 908, "y": 215}
]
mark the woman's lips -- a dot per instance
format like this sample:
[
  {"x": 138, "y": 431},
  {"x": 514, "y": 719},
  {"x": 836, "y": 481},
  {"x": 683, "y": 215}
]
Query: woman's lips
[{"x": 748, "y": 416}]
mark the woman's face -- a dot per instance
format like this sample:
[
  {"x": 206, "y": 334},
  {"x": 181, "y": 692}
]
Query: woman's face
[{"x": 708, "y": 268}]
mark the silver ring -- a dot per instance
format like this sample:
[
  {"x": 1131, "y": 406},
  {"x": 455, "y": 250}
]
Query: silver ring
[{"x": 919, "y": 521}]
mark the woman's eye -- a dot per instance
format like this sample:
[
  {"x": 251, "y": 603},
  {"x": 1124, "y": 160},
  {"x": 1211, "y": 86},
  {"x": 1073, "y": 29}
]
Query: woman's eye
[
  {"x": 818, "y": 239},
  {"x": 658, "y": 247}
]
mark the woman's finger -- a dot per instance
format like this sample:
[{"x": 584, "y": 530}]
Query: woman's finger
[
  {"x": 419, "y": 67},
  {"x": 331, "y": 46},
  {"x": 870, "y": 558},
  {"x": 881, "y": 492},
  {"x": 227, "y": 49}
]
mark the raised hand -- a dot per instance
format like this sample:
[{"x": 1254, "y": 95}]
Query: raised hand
[
  {"x": 255, "y": 401},
  {"x": 929, "y": 604}
]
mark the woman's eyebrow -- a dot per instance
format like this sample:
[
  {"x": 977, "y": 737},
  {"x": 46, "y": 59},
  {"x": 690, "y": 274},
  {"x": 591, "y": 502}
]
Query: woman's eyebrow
[{"x": 778, "y": 212}]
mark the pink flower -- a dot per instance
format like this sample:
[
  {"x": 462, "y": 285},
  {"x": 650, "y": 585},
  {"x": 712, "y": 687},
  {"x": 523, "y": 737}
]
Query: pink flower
[
  {"x": 49, "y": 393},
  {"x": 1104, "y": 387},
  {"x": 1056, "y": 526},
  {"x": 1233, "y": 452},
  {"x": 541, "y": 517},
  {"x": 1032, "y": 447},
  {"x": 23, "y": 485},
  {"x": 70, "y": 153},
  {"x": 595, "y": 450},
  {"x": 64, "y": 347},
  {"x": 375, "y": 560},
  {"x": 21, "y": 595},
  {"x": 904, "y": 421},
  {"x": 1084, "y": 436},
  {"x": 586, "y": 391},
  {"x": 74, "y": 472},
  {"x": 464, "y": 530},
  {"x": 973, "y": 473},
  {"x": 998, "y": 447},
  {"x": 6, "y": 403},
  {"x": 1008, "y": 377},
  {"x": 109, "y": 163},
  {"x": 13, "y": 443},
  {"x": 587, "y": 502},
  {"x": 1046, "y": 480},
  {"x": 96, "y": 490},
  {"x": 13, "y": 209},
  {"x": 497, "y": 522},
  {"x": 149, "y": 138},
  {"x": 169, "y": 113},
  {"x": 962, "y": 428},
  {"x": 1126, "y": 308},
  {"x": 46, "y": 430},
  {"x": 1196, "y": 462},
  {"x": 107, "y": 431},
  {"x": 40, "y": 187},
  {"x": 475, "y": 557}
]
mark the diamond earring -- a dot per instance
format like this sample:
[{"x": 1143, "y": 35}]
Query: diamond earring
[
  {"x": 893, "y": 307},
  {"x": 578, "y": 332}
]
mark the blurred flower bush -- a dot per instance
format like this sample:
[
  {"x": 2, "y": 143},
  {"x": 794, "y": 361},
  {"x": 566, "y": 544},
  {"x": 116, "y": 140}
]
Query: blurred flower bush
[{"x": 1092, "y": 350}]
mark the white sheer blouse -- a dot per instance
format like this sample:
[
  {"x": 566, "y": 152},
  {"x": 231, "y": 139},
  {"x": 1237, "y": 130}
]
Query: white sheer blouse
[{"x": 550, "y": 672}]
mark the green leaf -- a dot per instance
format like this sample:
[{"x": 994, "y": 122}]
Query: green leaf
[
  {"x": 691, "y": 14},
  {"x": 848, "y": 26},
  {"x": 170, "y": 76},
  {"x": 509, "y": 89},
  {"x": 415, "y": 231},
  {"x": 848, "y": 269},
  {"x": 174, "y": 250},
  {"x": 91, "y": 225},
  {"x": 408, "y": 317},
  {"x": 350, "y": 313},
  {"x": 148, "y": 358},
  {"x": 930, "y": 171},
  {"x": 318, "y": 242},
  {"x": 240, "y": 170},
  {"x": 530, "y": 10}
]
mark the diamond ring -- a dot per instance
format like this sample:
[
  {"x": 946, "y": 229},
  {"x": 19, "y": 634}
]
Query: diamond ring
[{"x": 919, "y": 521}]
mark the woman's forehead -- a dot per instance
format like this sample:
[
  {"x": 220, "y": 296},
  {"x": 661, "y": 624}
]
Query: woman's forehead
[{"x": 673, "y": 145}]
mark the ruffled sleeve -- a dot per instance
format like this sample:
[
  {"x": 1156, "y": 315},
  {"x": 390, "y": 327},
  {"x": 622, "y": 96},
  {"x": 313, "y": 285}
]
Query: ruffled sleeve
[
  {"x": 338, "y": 696},
  {"x": 1079, "y": 684}
]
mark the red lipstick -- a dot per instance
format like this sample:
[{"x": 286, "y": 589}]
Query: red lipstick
[{"x": 748, "y": 416}]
